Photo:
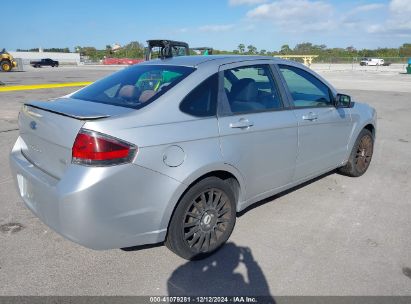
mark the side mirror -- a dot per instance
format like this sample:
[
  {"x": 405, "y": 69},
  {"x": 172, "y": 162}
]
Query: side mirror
[{"x": 342, "y": 101}]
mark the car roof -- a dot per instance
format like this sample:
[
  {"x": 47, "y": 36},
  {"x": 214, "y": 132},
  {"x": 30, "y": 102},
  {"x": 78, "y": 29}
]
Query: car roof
[
  {"x": 196, "y": 60},
  {"x": 212, "y": 61}
]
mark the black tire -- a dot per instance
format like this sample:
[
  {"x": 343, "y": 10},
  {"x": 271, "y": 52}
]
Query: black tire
[
  {"x": 203, "y": 219},
  {"x": 361, "y": 155},
  {"x": 6, "y": 66}
]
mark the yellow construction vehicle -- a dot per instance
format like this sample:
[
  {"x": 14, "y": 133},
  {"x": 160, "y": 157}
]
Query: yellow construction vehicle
[{"x": 7, "y": 62}]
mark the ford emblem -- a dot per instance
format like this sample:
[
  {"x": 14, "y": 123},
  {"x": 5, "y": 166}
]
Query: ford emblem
[{"x": 33, "y": 125}]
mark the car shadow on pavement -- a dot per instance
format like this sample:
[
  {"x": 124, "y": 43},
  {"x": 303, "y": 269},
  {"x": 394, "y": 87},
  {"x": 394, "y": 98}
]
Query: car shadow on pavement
[{"x": 219, "y": 275}]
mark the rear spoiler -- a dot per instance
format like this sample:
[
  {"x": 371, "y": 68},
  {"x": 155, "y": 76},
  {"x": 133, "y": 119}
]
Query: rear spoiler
[{"x": 66, "y": 109}]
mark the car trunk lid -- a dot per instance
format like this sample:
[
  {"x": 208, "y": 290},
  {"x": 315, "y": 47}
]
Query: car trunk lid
[{"x": 50, "y": 128}]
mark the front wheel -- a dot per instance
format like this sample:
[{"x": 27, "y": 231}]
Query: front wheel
[
  {"x": 361, "y": 155},
  {"x": 203, "y": 220},
  {"x": 6, "y": 66}
]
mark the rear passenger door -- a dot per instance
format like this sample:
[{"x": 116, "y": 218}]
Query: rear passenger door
[{"x": 258, "y": 134}]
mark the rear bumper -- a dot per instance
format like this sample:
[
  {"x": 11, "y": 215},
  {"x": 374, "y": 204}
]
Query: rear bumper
[{"x": 99, "y": 208}]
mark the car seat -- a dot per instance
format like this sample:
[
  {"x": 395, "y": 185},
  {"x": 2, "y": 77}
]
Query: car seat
[{"x": 244, "y": 96}]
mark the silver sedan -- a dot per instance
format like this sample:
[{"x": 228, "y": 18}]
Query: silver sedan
[{"x": 170, "y": 150}]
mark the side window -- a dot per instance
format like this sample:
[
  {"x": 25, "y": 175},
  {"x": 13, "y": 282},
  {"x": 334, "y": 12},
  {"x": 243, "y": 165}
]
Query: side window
[
  {"x": 305, "y": 88},
  {"x": 251, "y": 89},
  {"x": 227, "y": 85},
  {"x": 202, "y": 101}
]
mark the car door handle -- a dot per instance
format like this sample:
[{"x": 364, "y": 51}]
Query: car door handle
[
  {"x": 310, "y": 116},
  {"x": 242, "y": 124}
]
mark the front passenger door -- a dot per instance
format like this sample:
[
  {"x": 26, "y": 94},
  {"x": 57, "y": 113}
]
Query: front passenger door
[{"x": 323, "y": 129}]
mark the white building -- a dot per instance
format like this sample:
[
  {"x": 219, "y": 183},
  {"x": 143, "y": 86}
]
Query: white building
[{"x": 62, "y": 58}]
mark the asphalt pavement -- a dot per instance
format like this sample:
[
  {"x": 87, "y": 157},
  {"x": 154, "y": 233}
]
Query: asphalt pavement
[{"x": 334, "y": 235}]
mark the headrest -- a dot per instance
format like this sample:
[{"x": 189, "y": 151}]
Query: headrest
[
  {"x": 244, "y": 90},
  {"x": 146, "y": 95},
  {"x": 129, "y": 92}
]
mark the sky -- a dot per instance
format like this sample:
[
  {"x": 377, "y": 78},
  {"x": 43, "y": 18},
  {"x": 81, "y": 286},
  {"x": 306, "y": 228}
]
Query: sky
[{"x": 221, "y": 24}]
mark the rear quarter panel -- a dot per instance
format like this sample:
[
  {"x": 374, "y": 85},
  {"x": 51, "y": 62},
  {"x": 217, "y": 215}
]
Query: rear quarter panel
[
  {"x": 161, "y": 124},
  {"x": 197, "y": 139}
]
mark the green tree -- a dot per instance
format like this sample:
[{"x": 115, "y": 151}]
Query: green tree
[
  {"x": 350, "y": 49},
  {"x": 241, "y": 48},
  {"x": 252, "y": 49},
  {"x": 58, "y": 50},
  {"x": 405, "y": 50},
  {"x": 91, "y": 52},
  {"x": 134, "y": 49},
  {"x": 304, "y": 48},
  {"x": 320, "y": 47},
  {"x": 285, "y": 49},
  {"x": 109, "y": 50}
]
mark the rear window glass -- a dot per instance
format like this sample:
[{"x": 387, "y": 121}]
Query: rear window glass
[
  {"x": 134, "y": 87},
  {"x": 202, "y": 101}
]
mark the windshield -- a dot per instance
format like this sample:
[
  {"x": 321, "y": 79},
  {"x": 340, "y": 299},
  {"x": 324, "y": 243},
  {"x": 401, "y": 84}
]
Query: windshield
[{"x": 134, "y": 87}]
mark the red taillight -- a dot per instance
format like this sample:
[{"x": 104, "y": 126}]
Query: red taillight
[{"x": 92, "y": 148}]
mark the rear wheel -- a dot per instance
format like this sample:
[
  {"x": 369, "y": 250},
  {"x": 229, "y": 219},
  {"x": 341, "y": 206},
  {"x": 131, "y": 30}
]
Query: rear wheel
[
  {"x": 203, "y": 220},
  {"x": 361, "y": 155},
  {"x": 6, "y": 66}
]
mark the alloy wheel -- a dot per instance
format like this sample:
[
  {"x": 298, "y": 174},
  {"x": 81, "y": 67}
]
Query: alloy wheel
[
  {"x": 364, "y": 153},
  {"x": 206, "y": 220}
]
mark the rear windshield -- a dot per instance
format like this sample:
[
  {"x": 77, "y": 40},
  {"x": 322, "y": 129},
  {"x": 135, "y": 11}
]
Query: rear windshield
[{"x": 134, "y": 87}]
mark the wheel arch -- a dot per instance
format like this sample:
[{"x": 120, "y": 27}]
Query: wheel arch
[
  {"x": 5, "y": 60},
  {"x": 225, "y": 175},
  {"x": 223, "y": 171},
  {"x": 370, "y": 127},
  {"x": 349, "y": 167}
]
